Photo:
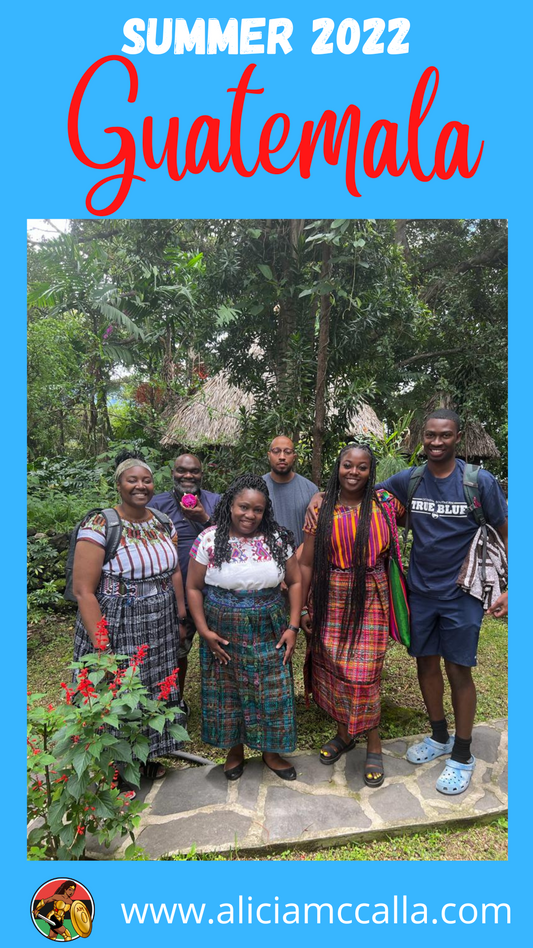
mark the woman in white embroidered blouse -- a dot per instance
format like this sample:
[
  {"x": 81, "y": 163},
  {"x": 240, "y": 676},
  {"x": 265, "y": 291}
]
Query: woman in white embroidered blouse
[{"x": 246, "y": 643}]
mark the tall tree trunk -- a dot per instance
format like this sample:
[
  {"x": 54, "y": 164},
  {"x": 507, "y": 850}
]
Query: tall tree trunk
[
  {"x": 321, "y": 371},
  {"x": 288, "y": 307}
]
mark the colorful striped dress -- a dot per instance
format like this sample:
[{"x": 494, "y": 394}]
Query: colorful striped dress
[{"x": 344, "y": 678}]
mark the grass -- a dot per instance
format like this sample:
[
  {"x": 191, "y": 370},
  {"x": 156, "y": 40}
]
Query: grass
[
  {"x": 50, "y": 650},
  {"x": 50, "y": 644},
  {"x": 475, "y": 842}
]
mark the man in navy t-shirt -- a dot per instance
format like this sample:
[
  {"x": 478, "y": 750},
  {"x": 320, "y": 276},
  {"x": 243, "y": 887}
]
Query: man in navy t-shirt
[
  {"x": 189, "y": 522},
  {"x": 445, "y": 621}
]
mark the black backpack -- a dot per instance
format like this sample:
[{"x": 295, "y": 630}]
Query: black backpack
[
  {"x": 113, "y": 535},
  {"x": 472, "y": 497}
]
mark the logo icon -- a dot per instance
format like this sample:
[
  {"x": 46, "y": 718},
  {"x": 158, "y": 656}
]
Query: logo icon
[{"x": 62, "y": 910}]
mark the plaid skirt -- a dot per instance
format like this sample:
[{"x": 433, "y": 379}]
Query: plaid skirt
[
  {"x": 347, "y": 684},
  {"x": 251, "y": 699},
  {"x": 132, "y": 622}
]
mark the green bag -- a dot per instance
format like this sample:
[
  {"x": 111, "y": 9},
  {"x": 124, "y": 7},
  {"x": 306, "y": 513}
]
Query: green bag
[{"x": 399, "y": 614}]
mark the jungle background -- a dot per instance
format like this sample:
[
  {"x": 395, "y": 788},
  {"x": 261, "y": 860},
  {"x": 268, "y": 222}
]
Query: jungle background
[{"x": 216, "y": 335}]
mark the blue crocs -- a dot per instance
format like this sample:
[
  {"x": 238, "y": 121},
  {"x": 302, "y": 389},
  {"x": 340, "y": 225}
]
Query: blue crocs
[
  {"x": 456, "y": 777},
  {"x": 428, "y": 749}
]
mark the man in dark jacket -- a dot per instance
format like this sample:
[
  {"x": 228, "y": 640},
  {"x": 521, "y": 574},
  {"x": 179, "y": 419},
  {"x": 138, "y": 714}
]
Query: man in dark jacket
[{"x": 189, "y": 522}]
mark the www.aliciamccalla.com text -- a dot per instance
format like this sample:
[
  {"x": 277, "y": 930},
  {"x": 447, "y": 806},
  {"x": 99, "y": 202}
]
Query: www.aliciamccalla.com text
[{"x": 246, "y": 910}]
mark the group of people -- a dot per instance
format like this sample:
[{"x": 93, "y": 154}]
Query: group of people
[{"x": 273, "y": 555}]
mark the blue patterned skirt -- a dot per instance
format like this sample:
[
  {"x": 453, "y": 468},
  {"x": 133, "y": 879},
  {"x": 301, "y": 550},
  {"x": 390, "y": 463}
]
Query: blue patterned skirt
[{"x": 251, "y": 699}]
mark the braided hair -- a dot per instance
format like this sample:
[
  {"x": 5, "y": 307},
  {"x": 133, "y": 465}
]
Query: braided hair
[
  {"x": 354, "y": 605},
  {"x": 279, "y": 539}
]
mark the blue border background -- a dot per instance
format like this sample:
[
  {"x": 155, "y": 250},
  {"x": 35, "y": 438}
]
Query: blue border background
[{"x": 481, "y": 53}]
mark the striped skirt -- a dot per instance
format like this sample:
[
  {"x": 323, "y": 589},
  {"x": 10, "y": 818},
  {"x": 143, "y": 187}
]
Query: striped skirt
[
  {"x": 346, "y": 685},
  {"x": 251, "y": 699},
  {"x": 132, "y": 621}
]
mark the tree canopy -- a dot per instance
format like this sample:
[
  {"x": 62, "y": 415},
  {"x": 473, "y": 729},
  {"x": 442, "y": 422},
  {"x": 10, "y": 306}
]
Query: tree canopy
[{"x": 128, "y": 318}]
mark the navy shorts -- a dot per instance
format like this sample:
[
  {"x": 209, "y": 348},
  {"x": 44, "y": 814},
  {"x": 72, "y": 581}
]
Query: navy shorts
[{"x": 446, "y": 627}]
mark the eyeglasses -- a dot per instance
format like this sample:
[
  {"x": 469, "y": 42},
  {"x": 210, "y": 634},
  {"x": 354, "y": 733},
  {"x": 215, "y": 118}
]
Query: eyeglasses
[{"x": 277, "y": 451}]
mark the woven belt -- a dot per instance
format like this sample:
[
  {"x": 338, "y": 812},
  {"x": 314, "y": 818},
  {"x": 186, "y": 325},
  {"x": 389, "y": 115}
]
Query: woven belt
[
  {"x": 243, "y": 598},
  {"x": 135, "y": 588},
  {"x": 379, "y": 567}
]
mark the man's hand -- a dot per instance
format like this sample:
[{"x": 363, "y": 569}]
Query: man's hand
[
  {"x": 306, "y": 624},
  {"x": 197, "y": 513},
  {"x": 499, "y": 608}
]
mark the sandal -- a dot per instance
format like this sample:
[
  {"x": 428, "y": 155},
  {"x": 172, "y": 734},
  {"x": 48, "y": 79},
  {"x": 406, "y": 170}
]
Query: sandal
[
  {"x": 428, "y": 749},
  {"x": 374, "y": 765},
  {"x": 128, "y": 795},
  {"x": 152, "y": 770},
  {"x": 339, "y": 746},
  {"x": 456, "y": 777}
]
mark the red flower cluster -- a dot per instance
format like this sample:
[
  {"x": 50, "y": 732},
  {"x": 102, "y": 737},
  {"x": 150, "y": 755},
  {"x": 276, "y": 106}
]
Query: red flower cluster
[
  {"x": 102, "y": 634},
  {"x": 117, "y": 680},
  {"x": 85, "y": 685},
  {"x": 139, "y": 656},
  {"x": 167, "y": 685},
  {"x": 80, "y": 830},
  {"x": 68, "y": 692}
]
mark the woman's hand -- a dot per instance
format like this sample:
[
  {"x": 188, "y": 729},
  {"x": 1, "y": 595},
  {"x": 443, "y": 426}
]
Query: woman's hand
[
  {"x": 215, "y": 643},
  {"x": 289, "y": 639},
  {"x": 306, "y": 624}
]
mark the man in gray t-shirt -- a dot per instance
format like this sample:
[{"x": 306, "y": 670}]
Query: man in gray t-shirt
[{"x": 289, "y": 492}]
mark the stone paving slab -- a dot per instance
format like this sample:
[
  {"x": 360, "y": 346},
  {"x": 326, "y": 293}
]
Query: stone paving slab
[{"x": 260, "y": 813}]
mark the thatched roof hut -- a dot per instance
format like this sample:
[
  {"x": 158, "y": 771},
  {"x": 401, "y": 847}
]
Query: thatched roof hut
[
  {"x": 476, "y": 444},
  {"x": 211, "y": 416},
  {"x": 364, "y": 421}
]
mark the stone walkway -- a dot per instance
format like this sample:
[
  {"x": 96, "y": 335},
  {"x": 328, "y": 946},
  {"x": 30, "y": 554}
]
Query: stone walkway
[{"x": 260, "y": 813}]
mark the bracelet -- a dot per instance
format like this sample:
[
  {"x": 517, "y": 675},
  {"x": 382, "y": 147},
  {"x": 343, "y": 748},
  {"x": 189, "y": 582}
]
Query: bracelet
[
  {"x": 182, "y": 620},
  {"x": 304, "y": 612},
  {"x": 293, "y": 628}
]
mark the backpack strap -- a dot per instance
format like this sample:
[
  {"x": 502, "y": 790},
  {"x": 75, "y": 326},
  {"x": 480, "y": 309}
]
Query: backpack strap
[
  {"x": 163, "y": 518},
  {"x": 113, "y": 532},
  {"x": 472, "y": 494},
  {"x": 417, "y": 474},
  {"x": 475, "y": 507},
  {"x": 112, "y": 540}
]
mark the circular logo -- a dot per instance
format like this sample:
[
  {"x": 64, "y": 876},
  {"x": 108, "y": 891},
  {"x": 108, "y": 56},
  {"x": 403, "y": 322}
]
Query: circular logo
[{"x": 62, "y": 910}]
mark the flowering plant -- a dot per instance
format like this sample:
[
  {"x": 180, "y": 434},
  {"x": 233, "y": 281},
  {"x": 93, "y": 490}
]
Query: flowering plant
[{"x": 74, "y": 747}]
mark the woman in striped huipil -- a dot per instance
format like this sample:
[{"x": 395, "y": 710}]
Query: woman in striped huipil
[
  {"x": 139, "y": 590},
  {"x": 343, "y": 567}
]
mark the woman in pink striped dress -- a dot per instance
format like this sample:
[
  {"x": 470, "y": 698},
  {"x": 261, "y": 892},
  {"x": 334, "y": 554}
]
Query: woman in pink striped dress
[{"x": 343, "y": 565}]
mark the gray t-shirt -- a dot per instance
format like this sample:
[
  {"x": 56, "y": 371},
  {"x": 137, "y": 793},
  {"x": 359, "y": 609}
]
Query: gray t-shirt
[{"x": 290, "y": 502}]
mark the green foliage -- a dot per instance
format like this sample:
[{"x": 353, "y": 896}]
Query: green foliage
[{"x": 73, "y": 749}]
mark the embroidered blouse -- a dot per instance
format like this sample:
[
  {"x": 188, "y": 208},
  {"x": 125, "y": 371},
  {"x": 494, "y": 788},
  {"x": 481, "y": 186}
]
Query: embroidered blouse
[
  {"x": 251, "y": 566},
  {"x": 344, "y": 530},
  {"x": 145, "y": 549}
]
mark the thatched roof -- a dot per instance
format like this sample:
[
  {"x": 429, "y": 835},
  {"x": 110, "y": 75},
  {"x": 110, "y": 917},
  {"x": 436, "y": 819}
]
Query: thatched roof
[
  {"x": 364, "y": 421},
  {"x": 211, "y": 416},
  {"x": 476, "y": 442}
]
